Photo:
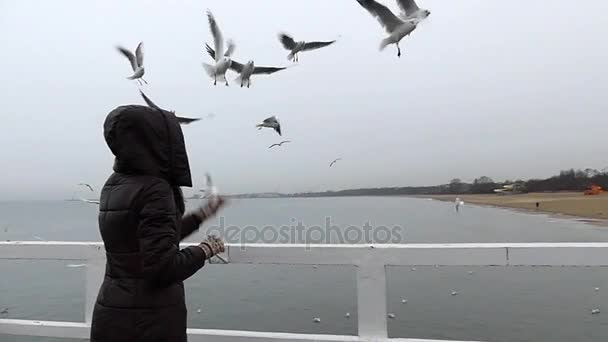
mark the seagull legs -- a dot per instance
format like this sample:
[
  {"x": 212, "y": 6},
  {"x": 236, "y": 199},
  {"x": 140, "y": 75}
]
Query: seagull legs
[
  {"x": 214, "y": 79},
  {"x": 398, "y": 50},
  {"x": 144, "y": 80},
  {"x": 248, "y": 83}
]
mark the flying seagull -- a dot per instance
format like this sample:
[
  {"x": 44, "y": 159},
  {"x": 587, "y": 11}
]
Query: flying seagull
[
  {"x": 245, "y": 71},
  {"x": 395, "y": 27},
  {"x": 295, "y": 47},
  {"x": 410, "y": 10},
  {"x": 279, "y": 144},
  {"x": 137, "y": 62},
  {"x": 271, "y": 122},
  {"x": 222, "y": 58},
  {"x": 335, "y": 161},
  {"x": 181, "y": 120},
  {"x": 87, "y": 185}
]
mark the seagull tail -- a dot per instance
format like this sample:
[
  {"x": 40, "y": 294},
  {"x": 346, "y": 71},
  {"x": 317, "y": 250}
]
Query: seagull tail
[
  {"x": 384, "y": 43},
  {"x": 209, "y": 69}
]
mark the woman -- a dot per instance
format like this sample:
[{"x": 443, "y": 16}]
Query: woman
[{"x": 141, "y": 223}]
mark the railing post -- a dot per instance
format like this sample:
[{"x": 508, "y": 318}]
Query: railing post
[
  {"x": 371, "y": 299},
  {"x": 95, "y": 271}
]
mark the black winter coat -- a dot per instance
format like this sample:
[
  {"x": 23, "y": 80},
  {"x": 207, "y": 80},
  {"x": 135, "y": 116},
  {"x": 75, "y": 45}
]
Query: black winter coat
[{"x": 141, "y": 224}]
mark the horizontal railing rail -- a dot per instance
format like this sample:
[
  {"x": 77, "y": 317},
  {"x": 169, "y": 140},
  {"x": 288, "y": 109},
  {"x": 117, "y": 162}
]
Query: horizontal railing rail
[{"x": 370, "y": 262}]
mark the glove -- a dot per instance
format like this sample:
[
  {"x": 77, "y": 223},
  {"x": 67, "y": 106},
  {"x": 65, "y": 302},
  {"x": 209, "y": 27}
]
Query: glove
[{"x": 212, "y": 246}]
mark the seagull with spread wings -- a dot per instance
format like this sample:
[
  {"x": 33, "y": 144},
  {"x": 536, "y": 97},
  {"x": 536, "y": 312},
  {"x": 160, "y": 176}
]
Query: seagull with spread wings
[
  {"x": 271, "y": 122},
  {"x": 296, "y": 47},
  {"x": 221, "y": 58},
  {"x": 334, "y": 161},
  {"x": 395, "y": 27},
  {"x": 180, "y": 119},
  {"x": 137, "y": 62},
  {"x": 245, "y": 71},
  {"x": 279, "y": 144}
]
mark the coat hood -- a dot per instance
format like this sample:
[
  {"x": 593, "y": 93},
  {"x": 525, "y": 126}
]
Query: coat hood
[{"x": 148, "y": 141}]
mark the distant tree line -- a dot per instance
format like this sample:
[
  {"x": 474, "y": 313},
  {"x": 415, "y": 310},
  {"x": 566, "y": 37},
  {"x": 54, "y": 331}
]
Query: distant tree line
[{"x": 567, "y": 180}]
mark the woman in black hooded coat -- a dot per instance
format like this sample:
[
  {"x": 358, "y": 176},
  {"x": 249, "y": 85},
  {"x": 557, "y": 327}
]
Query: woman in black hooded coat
[{"x": 141, "y": 221}]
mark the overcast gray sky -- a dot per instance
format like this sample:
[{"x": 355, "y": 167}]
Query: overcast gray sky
[{"x": 507, "y": 89}]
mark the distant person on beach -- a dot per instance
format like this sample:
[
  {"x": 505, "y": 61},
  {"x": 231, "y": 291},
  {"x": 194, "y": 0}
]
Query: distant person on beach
[
  {"x": 457, "y": 203},
  {"x": 142, "y": 221},
  {"x": 537, "y": 205}
]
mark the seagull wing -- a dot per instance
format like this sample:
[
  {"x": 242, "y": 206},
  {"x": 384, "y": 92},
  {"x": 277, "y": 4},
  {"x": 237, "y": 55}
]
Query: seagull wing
[
  {"x": 218, "y": 39},
  {"x": 87, "y": 185},
  {"x": 130, "y": 56},
  {"x": 273, "y": 145},
  {"x": 408, "y": 6},
  {"x": 316, "y": 45},
  {"x": 236, "y": 66},
  {"x": 284, "y": 142},
  {"x": 88, "y": 201},
  {"x": 210, "y": 51},
  {"x": 386, "y": 18},
  {"x": 270, "y": 120},
  {"x": 139, "y": 54},
  {"x": 230, "y": 49},
  {"x": 186, "y": 121},
  {"x": 267, "y": 70},
  {"x": 148, "y": 101},
  {"x": 287, "y": 41}
]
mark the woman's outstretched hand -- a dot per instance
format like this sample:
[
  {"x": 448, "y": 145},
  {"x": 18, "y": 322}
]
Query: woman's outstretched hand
[
  {"x": 210, "y": 208},
  {"x": 212, "y": 246}
]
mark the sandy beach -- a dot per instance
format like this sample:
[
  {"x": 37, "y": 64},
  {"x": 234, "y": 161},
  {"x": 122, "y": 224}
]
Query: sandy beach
[{"x": 562, "y": 203}]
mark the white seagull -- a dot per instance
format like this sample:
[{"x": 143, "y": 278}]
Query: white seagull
[
  {"x": 180, "y": 119},
  {"x": 279, "y": 144},
  {"x": 395, "y": 27},
  {"x": 334, "y": 161},
  {"x": 271, "y": 122},
  {"x": 410, "y": 10},
  {"x": 295, "y": 47},
  {"x": 137, "y": 62},
  {"x": 246, "y": 70},
  {"x": 222, "y": 58}
]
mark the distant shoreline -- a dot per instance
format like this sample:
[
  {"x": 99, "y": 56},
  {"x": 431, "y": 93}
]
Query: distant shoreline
[{"x": 591, "y": 209}]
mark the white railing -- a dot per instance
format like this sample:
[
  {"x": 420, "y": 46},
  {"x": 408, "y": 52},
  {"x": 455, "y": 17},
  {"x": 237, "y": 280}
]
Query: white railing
[{"x": 370, "y": 262}]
